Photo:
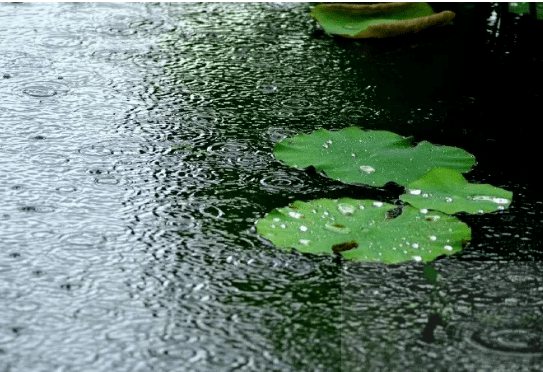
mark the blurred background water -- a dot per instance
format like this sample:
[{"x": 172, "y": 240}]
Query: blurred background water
[{"x": 136, "y": 156}]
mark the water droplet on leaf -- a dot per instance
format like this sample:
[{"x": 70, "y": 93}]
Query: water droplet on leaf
[
  {"x": 367, "y": 169},
  {"x": 294, "y": 214},
  {"x": 415, "y": 192},
  {"x": 346, "y": 209},
  {"x": 337, "y": 228}
]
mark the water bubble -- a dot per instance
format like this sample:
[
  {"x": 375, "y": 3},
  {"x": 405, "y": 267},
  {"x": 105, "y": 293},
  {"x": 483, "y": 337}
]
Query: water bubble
[
  {"x": 303, "y": 228},
  {"x": 337, "y": 228},
  {"x": 415, "y": 192},
  {"x": 448, "y": 247},
  {"x": 304, "y": 242},
  {"x": 367, "y": 169},
  {"x": 295, "y": 214},
  {"x": 346, "y": 209},
  {"x": 448, "y": 200}
]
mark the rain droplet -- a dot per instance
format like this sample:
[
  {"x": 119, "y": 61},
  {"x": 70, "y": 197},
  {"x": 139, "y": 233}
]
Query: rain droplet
[
  {"x": 361, "y": 207},
  {"x": 303, "y": 228},
  {"x": 325, "y": 145},
  {"x": 367, "y": 169},
  {"x": 490, "y": 198},
  {"x": 415, "y": 192},
  {"x": 448, "y": 200},
  {"x": 353, "y": 155},
  {"x": 325, "y": 214},
  {"x": 346, "y": 209},
  {"x": 337, "y": 228},
  {"x": 417, "y": 258},
  {"x": 329, "y": 142},
  {"x": 283, "y": 226},
  {"x": 424, "y": 211},
  {"x": 304, "y": 242},
  {"x": 272, "y": 226},
  {"x": 378, "y": 204},
  {"x": 276, "y": 220},
  {"x": 432, "y": 237},
  {"x": 425, "y": 195},
  {"x": 415, "y": 245},
  {"x": 313, "y": 211},
  {"x": 294, "y": 214},
  {"x": 448, "y": 247}
]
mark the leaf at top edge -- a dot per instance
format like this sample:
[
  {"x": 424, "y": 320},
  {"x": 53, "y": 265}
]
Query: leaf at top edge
[
  {"x": 446, "y": 190},
  {"x": 377, "y": 20},
  {"x": 353, "y": 155},
  {"x": 362, "y": 230}
]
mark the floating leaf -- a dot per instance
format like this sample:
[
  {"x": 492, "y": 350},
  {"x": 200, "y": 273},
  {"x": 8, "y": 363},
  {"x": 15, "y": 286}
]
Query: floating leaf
[
  {"x": 352, "y": 155},
  {"x": 447, "y": 191},
  {"x": 363, "y": 230},
  {"x": 377, "y": 20}
]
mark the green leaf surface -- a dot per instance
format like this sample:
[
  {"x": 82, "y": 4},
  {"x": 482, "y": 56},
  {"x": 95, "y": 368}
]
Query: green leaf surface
[
  {"x": 377, "y": 20},
  {"x": 446, "y": 190},
  {"x": 363, "y": 230},
  {"x": 352, "y": 155}
]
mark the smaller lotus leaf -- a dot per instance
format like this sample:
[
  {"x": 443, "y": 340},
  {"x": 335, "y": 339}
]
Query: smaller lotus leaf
[
  {"x": 377, "y": 20},
  {"x": 447, "y": 191},
  {"x": 364, "y": 230},
  {"x": 352, "y": 155}
]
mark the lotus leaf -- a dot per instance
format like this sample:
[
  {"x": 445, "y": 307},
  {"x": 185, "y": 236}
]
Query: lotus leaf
[
  {"x": 446, "y": 190},
  {"x": 377, "y": 20},
  {"x": 352, "y": 155},
  {"x": 364, "y": 230}
]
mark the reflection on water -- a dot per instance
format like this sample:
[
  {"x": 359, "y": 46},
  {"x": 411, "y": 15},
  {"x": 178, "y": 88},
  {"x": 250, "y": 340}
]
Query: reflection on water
[{"x": 135, "y": 159}]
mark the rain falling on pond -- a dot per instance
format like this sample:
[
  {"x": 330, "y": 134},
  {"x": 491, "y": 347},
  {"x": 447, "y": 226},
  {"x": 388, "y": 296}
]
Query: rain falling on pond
[{"x": 136, "y": 158}]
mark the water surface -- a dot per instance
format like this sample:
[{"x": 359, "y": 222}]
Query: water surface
[{"x": 136, "y": 157}]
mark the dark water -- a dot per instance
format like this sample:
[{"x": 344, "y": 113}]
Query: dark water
[{"x": 135, "y": 159}]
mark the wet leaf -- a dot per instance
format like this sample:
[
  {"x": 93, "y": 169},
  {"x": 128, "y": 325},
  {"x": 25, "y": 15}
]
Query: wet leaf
[
  {"x": 446, "y": 190},
  {"x": 360, "y": 230},
  {"x": 352, "y": 155},
  {"x": 377, "y": 20}
]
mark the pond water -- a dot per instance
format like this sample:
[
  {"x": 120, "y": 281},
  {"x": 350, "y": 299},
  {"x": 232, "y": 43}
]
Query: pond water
[{"x": 136, "y": 157}]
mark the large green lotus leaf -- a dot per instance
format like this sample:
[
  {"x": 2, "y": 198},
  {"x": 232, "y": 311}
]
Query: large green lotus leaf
[
  {"x": 447, "y": 191},
  {"x": 377, "y": 20},
  {"x": 363, "y": 230},
  {"x": 352, "y": 155}
]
